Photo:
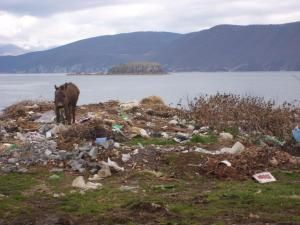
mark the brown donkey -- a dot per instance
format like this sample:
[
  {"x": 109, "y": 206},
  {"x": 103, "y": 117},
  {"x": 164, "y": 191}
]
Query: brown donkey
[{"x": 66, "y": 97}]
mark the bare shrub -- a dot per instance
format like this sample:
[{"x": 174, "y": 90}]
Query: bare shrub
[{"x": 251, "y": 114}]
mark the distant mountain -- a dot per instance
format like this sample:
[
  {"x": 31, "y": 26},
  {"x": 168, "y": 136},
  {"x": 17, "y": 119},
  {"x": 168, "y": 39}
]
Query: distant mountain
[
  {"x": 89, "y": 55},
  {"x": 9, "y": 49},
  {"x": 221, "y": 48},
  {"x": 236, "y": 48}
]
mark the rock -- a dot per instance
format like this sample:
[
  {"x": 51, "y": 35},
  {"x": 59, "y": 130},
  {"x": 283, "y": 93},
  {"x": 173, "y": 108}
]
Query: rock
[
  {"x": 48, "y": 134},
  {"x": 114, "y": 165},
  {"x": 95, "y": 177},
  {"x": 136, "y": 131},
  {"x": 62, "y": 154},
  {"x": 273, "y": 162},
  {"x": 191, "y": 127},
  {"x": 226, "y": 136},
  {"x": 126, "y": 157},
  {"x": 236, "y": 148},
  {"x": 93, "y": 153},
  {"x": 204, "y": 129},
  {"x": 144, "y": 133},
  {"x": 196, "y": 131},
  {"x": 135, "y": 152},
  {"x": 117, "y": 145},
  {"x": 294, "y": 160},
  {"x": 76, "y": 165},
  {"x": 22, "y": 170},
  {"x": 12, "y": 160},
  {"x": 202, "y": 150},
  {"x": 57, "y": 195},
  {"x": 104, "y": 171},
  {"x": 164, "y": 135},
  {"x": 79, "y": 182},
  {"x": 173, "y": 122},
  {"x": 48, "y": 152},
  {"x": 9, "y": 169}
]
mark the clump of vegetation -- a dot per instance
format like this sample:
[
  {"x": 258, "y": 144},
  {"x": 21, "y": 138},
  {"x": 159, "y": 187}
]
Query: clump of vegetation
[
  {"x": 249, "y": 113},
  {"x": 204, "y": 139},
  {"x": 137, "y": 68}
]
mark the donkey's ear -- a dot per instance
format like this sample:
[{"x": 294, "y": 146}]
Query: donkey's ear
[
  {"x": 65, "y": 86},
  {"x": 55, "y": 87}
]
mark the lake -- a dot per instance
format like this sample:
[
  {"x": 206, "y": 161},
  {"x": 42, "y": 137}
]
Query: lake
[{"x": 173, "y": 88}]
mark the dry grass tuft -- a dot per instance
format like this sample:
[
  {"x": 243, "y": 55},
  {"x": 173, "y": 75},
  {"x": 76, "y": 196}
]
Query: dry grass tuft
[{"x": 251, "y": 114}]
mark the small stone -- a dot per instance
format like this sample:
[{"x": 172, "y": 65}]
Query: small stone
[
  {"x": 22, "y": 170},
  {"x": 173, "y": 122},
  {"x": 164, "y": 135},
  {"x": 126, "y": 157},
  {"x": 62, "y": 154},
  {"x": 93, "y": 153},
  {"x": 48, "y": 152},
  {"x": 226, "y": 136},
  {"x": 104, "y": 171},
  {"x": 79, "y": 182},
  {"x": 48, "y": 134},
  {"x": 55, "y": 195},
  {"x": 204, "y": 129},
  {"x": 273, "y": 162},
  {"x": 191, "y": 127},
  {"x": 12, "y": 160},
  {"x": 144, "y": 133},
  {"x": 117, "y": 145}
]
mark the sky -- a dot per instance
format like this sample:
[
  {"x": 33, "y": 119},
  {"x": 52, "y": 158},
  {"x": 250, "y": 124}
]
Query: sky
[{"x": 41, "y": 24}]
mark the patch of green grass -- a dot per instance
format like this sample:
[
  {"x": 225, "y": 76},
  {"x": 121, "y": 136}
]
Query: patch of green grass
[
  {"x": 232, "y": 130},
  {"x": 14, "y": 183},
  {"x": 12, "y": 201},
  {"x": 193, "y": 201},
  {"x": 204, "y": 139},
  {"x": 150, "y": 141},
  {"x": 95, "y": 202},
  {"x": 271, "y": 199}
]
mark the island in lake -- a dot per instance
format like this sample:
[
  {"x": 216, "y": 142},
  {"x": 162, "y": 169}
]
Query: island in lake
[{"x": 137, "y": 68}]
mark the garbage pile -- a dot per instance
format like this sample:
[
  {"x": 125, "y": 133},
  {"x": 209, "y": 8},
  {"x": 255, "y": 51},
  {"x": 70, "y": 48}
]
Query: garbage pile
[{"x": 100, "y": 143}]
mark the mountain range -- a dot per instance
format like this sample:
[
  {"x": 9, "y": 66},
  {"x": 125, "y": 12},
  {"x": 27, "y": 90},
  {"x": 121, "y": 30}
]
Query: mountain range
[
  {"x": 220, "y": 48},
  {"x": 9, "y": 49}
]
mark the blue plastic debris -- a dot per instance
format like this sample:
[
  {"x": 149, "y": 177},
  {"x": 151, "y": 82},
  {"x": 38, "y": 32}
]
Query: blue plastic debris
[
  {"x": 296, "y": 133},
  {"x": 100, "y": 141}
]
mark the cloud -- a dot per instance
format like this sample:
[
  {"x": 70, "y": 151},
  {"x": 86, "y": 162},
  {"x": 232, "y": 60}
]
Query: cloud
[
  {"x": 42, "y": 24},
  {"x": 47, "y": 7}
]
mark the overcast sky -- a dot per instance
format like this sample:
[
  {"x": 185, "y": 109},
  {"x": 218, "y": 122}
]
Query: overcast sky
[{"x": 46, "y": 23}]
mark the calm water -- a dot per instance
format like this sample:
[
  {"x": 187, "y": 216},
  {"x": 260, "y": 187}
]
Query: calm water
[{"x": 280, "y": 86}]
